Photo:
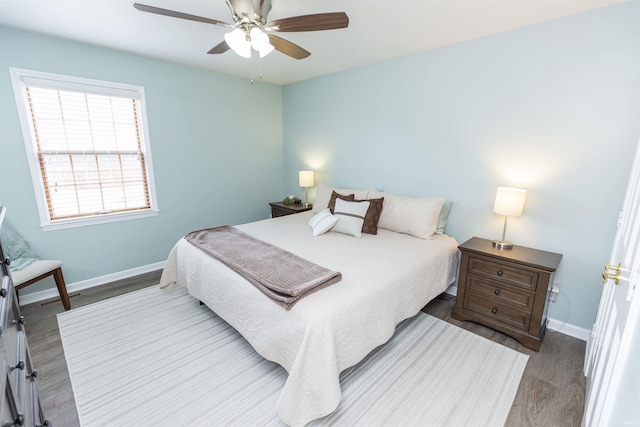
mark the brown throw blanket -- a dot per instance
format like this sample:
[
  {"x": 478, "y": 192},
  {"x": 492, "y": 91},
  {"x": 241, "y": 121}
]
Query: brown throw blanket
[{"x": 281, "y": 275}]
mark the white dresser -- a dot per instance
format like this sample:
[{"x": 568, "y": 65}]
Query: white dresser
[{"x": 20, "y": 404}]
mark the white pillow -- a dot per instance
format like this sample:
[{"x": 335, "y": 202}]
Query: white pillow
[
  {"x": 359, "y": 194},
  {"x": 443, "y": 216},
  {"x": 415, "y": 216},
  {"x": 322, "y": 222},
  {"x": 323, "y": 195},
  {"x": 350, "y": 217}
]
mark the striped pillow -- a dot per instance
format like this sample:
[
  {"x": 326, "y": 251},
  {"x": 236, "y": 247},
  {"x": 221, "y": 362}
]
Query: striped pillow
[
  {"x": 322, "y": 222},
  {"x": 350, "y": 217}
]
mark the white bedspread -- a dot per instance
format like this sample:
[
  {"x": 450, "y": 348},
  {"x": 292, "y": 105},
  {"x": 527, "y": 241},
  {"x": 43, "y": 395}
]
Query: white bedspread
[{"x": 386, "y": 279}]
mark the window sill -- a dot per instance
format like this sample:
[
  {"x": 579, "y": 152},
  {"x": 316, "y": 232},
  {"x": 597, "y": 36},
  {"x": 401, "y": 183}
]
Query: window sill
[{"x": 97, "y": 219}]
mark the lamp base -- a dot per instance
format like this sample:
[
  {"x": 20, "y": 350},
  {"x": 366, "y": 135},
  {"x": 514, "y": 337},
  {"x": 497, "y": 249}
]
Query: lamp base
[{"x": 502, "y": 244}]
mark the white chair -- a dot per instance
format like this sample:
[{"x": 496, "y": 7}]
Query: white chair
[
  {"x": 39, "y": 270},
  {"x": 27, "y": 267}
]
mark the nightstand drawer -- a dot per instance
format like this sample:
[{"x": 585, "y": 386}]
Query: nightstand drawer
[
  {"x": 496, "y": 310},
  {"x": 503, "y": 272},
  {"x": 500, "y": 294}
]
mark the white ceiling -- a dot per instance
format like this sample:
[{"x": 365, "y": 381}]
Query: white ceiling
[{"x": 378, "y": 29}]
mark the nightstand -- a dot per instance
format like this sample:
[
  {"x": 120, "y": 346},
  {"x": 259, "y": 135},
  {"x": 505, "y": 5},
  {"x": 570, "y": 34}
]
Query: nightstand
[
  {"x": 280, "y": 209},
  {"x": 505, "y": 289}
]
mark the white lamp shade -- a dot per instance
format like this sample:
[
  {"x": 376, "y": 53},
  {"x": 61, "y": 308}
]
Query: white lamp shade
[
  {"x": 306, "y": 178},
  {"x": 260, "y": 42},
  {"x": 237, "y": 40},
  {"x": 509, "y": 201}
]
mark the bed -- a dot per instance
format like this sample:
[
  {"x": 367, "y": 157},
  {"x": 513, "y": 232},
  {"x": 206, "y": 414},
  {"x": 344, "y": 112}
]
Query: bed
[{"x": 386, "y": 278}]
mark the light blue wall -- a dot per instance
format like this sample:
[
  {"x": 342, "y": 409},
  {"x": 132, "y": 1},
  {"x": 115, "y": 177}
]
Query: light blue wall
[
  {"x": 553, "y": 108},
  {"x": 217, "y": 157}
]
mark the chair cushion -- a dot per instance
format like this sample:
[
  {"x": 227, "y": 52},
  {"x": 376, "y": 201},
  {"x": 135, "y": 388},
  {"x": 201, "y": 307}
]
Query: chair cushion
[{"x": 36, "y": 269}]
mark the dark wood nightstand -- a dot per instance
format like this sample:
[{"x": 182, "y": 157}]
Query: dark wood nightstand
[
  {"x": 280, "y": 209},
  {"x": 505, "y": 289}
]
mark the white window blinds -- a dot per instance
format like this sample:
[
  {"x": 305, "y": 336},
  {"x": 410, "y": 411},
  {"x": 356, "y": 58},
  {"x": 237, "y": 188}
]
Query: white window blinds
[{"x": 90, "y": 146}]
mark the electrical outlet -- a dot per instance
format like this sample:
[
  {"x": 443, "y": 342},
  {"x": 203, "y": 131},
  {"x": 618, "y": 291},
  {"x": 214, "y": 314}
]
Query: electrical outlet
[{"x": 553, "y": 294}]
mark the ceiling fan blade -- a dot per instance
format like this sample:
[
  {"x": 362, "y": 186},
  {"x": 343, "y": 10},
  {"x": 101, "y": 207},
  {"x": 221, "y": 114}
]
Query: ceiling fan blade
[
  {"x": 174, "y": 14},
  {"x": 315, "y": 22},
  {"x": 288, "y": 48},
  {"x": 221, "y": 47}
]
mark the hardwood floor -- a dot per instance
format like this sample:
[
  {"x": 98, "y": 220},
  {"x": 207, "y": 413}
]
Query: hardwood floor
[
  {"x": 56, "y": 395},
  {"x": 552, "y": 389},
  {"x": 551, "y": 392}
]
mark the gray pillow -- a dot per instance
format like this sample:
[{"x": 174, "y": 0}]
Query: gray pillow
[
  {"x": 442, "y": 217},
  {"x": 17, "y": 249}
]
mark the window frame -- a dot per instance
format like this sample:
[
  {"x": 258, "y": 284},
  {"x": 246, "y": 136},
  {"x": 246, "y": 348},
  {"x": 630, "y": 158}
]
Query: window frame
[{"x": 59, "y": 81}]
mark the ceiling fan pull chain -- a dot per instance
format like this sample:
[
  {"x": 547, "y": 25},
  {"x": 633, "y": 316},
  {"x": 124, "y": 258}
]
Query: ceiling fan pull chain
[{"x": 252, "y": 80}]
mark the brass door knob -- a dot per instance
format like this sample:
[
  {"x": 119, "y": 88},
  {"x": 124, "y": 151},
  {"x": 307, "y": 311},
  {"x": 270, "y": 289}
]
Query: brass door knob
[{"x": 615, "y": 274}]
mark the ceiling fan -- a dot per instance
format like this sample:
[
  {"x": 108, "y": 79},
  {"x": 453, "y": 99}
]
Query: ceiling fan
[{"x": 251, "y": 29}]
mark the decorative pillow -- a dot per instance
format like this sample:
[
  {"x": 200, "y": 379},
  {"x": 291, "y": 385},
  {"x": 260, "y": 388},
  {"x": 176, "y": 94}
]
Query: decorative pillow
[
  {"x": 323, "y": 194},
  {"x": 415, "y": 216},
  {"x": 372, "y": 217},
  {"x": 17, "y": 249},
  {"x": 324, "y": 191},
  {"x": 322, "y": 222},
  {"x": 351, "y": 217},
  {"x": 334, "y": 196},
  {"x": 359, "y": 194},
  {"x": 442, "y": 217}
]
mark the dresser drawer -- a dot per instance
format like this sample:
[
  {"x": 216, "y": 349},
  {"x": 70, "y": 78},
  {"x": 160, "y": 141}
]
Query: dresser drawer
[
  {"x": 8, "y": 413},
  {"x": 500, "y": 311},
  {"x": 503, "y": 272},
  {"x": 6, "y": 299},
  {"x": 15, "y": 348},
  {"x": 501, "y": 294},
  {"x": 32, "y": 411}
]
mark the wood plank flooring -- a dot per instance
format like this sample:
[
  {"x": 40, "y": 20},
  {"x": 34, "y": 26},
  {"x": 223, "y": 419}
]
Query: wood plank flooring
[{"x": 551, "y": 392}]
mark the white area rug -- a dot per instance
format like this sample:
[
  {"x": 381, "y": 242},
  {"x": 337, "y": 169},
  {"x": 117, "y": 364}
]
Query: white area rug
[{"x": 158, "y": 358}]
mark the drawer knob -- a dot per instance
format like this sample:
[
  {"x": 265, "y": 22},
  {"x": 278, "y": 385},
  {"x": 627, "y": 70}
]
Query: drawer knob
[
  {"x": 6, "y": 261},
  {"x": 494, "y": 310},
  {"x": 499, "y": 273},
  {"x": 497, "y": 292},
  {"x": 19, "y": 365}
]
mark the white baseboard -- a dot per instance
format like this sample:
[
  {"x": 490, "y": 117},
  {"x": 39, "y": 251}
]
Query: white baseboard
[
  {"x": 90, "y": 283},
  {"x": 452, "y": 290},
  {"x": 552, "y": 324},
  {"x": 568, "y": 329}
]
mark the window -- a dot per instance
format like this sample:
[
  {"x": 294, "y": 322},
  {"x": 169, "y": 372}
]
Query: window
[{"x": 88, "y": 148}]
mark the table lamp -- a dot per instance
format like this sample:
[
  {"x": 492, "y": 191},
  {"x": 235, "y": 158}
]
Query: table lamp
[
  {"x": 306, "y": 180},
  {"x": 509, "y": 202}
]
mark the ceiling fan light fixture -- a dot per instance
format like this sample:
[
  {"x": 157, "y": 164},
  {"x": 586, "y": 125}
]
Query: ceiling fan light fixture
[
  {"x": 237, "y": 41},
  {"x": 260, "y": 42},
  {"x": 250, "y": 22}
]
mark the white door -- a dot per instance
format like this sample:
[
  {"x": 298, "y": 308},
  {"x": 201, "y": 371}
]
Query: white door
[{"x": 612, "y": 363}]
